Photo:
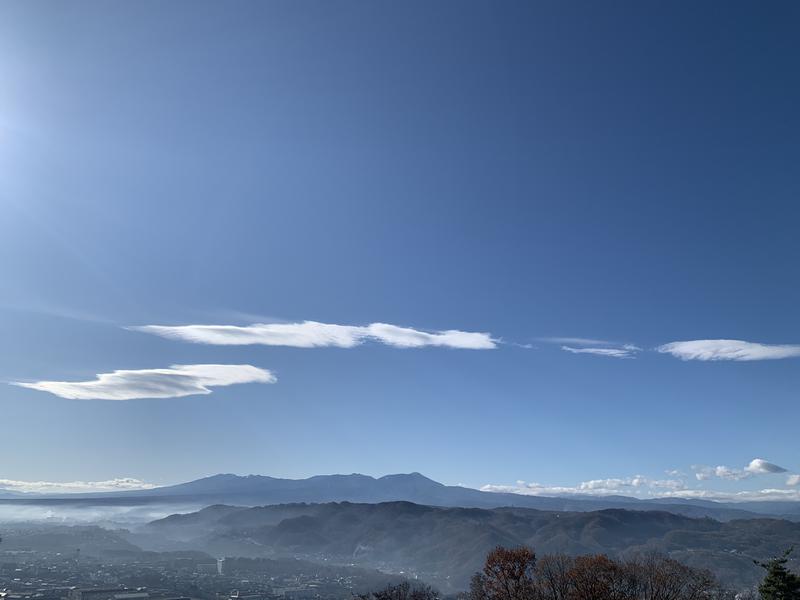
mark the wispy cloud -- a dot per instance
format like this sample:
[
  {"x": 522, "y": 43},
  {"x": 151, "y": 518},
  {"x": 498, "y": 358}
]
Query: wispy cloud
[
  {"x": 729, "y": 350},
  {"x": 577, "y": 341},
  {"x": 41, "y": 307},
  {"x": 66, "y": 487},
  {"x": 596, "y": 347},
  {"x": 311, "y": 334},
  {"x": 626, "y": 351},
  {"x": 172, "y": 382},
  {"x": 793, "y": 480}
]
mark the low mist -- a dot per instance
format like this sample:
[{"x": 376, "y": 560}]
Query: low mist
[{"x": 79, "y": 513}]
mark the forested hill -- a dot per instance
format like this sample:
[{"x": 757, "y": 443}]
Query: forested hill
[{"x": 446, "y": 545}]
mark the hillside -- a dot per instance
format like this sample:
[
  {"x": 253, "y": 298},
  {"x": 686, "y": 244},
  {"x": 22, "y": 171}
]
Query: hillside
[{"x": 446, "y": 545}]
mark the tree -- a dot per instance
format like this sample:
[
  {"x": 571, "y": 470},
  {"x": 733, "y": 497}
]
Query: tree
[
  {"x": 779, "y": 583},
  {"x": 600, "y": 578},
  {"x": 477, "y": 589},
  {"x": 551, "y": 576},
  {"x": 402, "y": 591},
  {"x": 516, "y": 574},
  {"x": 661, "y": 578},
  {"x": 507, "y": 575}
]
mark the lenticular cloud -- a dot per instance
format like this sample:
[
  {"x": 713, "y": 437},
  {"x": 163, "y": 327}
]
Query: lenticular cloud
[
  {"x": 737, "y": 350},
  {"x": 173, "y": 382},
  {"x": 759, "y": 465},
  {"x": 310, "y": 334}
]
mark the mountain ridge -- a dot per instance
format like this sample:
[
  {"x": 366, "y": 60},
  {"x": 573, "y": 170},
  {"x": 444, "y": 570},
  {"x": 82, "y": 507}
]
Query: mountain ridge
[
  {"x": 256, "y": 490},
  {"x": 445, "y": 545}
]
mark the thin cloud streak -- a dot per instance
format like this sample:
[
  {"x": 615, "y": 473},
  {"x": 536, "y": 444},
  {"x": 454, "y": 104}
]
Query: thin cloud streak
[
  {"x": 736, "y": 350},
  {"x": 173, "y": 382},
  {"x": 577, "y": 341},
  {"x": 592, "y": 346},
  {"x": 311, "y": 334},
  {"x": 623, "y": 352}
]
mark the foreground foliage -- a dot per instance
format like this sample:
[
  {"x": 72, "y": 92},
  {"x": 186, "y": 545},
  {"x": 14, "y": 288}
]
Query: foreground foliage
[
  {"x": 516, "y": 574},
  {"x": 402, "y": 591},
  {"x": 779, "y": 583}
]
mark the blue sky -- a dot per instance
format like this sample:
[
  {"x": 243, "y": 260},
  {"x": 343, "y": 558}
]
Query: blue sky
[{"x": 622, "y": 174}]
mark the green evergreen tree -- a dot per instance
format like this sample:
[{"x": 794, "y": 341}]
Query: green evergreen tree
[{"x": 779, "y": 583}]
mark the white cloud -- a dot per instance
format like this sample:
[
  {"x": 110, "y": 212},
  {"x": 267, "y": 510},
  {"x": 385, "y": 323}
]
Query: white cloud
[
  {"x": 728, "y": 350},
  {"x": 759, "y": 465},
  {"x": 310, "y": 334},
  {"x": 528, "y": 489},
  {"x": 411, "y": 338},
  {"x": 645, "y": 487},
  {"x": 612, "y": 484},
  {"x": 640, "y": 486},
  {"x": 724, "y": 472},
  {"x": 54, "y": 487},
  {"x": 704, "y": 473},
  {"x": 173, "y": 382}
]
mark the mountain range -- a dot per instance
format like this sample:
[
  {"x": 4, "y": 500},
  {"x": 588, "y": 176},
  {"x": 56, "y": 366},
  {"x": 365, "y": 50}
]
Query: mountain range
[
  {"x": 258, "y": 490},
  {"x": 410, "y": 524}
]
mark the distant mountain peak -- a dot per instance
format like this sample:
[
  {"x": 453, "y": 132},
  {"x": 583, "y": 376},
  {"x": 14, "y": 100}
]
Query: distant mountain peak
[{"x": 414, "y": 476}]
